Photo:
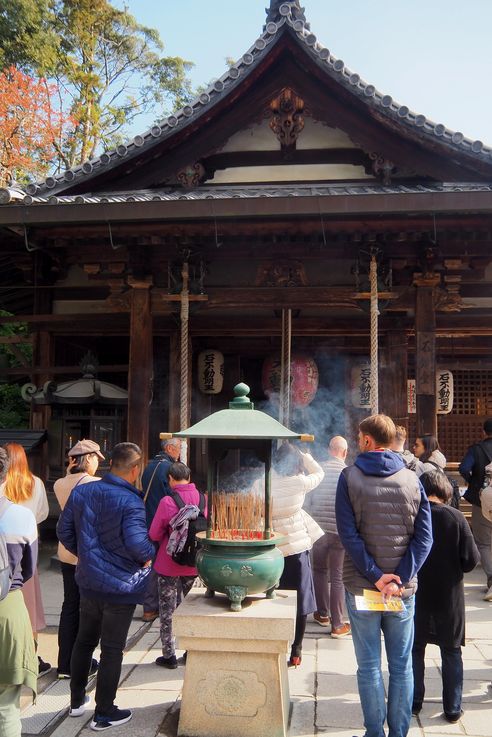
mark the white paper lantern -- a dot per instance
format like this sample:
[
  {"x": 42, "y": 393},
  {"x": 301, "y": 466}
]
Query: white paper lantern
[
  {"x": 444, "y": 393},
  {"x": 211, "y": 372}
]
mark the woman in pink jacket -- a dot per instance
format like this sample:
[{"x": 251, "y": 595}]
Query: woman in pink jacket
[{"x": 170, "y": 573}]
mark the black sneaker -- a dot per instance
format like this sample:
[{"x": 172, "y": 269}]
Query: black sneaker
[
  {"x": 64, "y": 676},
  {"x": 43, "y": 668},
  {"x": 167, "y": 662},
  {"x": 453, "y": 718},
  {"x": 100, "y": 722}
]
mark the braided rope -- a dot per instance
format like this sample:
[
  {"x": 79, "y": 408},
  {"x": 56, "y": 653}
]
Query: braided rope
[
  {"x": 374, "y": 336},
  {"x": 183, "y": 397}
]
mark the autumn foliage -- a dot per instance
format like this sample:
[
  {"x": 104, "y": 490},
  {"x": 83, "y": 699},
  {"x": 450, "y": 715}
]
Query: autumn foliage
[{"x": 31, "y": 129}]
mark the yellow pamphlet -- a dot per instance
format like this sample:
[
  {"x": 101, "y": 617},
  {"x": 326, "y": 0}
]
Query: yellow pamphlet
[{"x": 372, "y": 601}]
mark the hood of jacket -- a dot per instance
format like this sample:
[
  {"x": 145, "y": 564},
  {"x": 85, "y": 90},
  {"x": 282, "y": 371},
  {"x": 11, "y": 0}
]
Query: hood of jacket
[
  {"x": 379, "y": 462},
  {"x": 438, "y": 458}
]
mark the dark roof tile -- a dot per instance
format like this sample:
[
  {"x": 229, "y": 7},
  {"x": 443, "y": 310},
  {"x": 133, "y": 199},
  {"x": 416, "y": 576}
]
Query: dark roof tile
[{"x": 282, "y": 16}]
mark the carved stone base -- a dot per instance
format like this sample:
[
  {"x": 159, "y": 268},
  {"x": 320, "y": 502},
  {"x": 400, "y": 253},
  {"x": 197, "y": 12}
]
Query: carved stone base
[{"x": 236, "y": 669}]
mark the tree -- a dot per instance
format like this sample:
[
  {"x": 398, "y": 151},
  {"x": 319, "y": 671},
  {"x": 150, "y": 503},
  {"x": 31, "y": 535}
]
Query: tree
[
  {"x": 110, "y": 71},
  {"x": 107, "y": 67},
  {"x": 27, "y": 36},
  {"x": 31, "y": 131}
]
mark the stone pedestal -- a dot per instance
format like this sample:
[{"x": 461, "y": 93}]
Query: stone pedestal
[{"x": 236, "y": 669}]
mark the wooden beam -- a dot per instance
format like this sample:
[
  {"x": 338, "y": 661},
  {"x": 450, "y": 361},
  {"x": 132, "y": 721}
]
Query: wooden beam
[
  {"x": 16, "y": 339},
  {"x": 238, "y": 159},
  {"x": 286, "y": 208},
  {"x": 65, "y": 370}
]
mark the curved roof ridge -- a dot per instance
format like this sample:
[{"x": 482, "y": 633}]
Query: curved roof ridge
[
  {"x": 288, "y": 20},
  {"x": 285, "y": 9}
]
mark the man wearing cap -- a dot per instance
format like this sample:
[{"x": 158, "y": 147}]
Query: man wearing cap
[
  {"x": 103, "y": 523},
  {"x": 155, "y": 486},
  {"x": 83, "y": 463}
]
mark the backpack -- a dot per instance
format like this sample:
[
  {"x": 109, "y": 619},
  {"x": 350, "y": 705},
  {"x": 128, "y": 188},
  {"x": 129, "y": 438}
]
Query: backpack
[
  {"x": 4, "y": 555},
  {"x": 456, "y": 497},
  {"x": 187, "y": 556}
]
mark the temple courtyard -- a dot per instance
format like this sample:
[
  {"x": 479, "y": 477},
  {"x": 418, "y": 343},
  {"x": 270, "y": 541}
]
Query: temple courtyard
[{"x": 324, "y": 698}]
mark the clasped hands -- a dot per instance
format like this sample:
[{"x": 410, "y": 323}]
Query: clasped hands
[{"x": 389, "y": 585}]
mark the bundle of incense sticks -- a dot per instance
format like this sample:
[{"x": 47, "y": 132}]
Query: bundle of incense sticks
[{"x": 238, "y": 516}]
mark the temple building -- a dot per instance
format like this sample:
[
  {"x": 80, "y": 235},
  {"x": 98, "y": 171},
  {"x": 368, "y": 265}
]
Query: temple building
[{"x": 239, "y": 233}]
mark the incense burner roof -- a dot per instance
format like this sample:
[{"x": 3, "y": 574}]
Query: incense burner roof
[{"x": 240, "y": 421}]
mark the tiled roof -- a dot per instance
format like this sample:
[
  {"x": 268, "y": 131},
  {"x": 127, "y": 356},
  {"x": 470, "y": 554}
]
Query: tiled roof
[
  {"x": 250, "y": 192},
  {"x": 282, "y": 17}
]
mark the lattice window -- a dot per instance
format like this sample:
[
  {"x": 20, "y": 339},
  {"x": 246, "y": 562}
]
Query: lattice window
[
  {"x": 472, "y": 393},
  {"x": 472, "y": 406}
]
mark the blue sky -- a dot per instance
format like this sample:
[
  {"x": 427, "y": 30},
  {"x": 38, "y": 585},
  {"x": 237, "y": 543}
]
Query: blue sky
[{"x": 434, "y": 56}]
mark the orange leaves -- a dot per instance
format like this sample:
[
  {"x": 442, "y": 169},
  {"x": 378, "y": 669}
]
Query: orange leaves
[{"x": 31, "y": 128}]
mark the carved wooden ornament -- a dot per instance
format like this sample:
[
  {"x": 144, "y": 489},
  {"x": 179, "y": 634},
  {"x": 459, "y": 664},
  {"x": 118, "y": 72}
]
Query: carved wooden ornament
[
  {"x": 191, "y": 176},
  {"x": 287, "y": 119}
]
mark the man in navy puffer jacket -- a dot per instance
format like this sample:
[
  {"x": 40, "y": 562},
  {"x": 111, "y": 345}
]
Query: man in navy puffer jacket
[{"x": 103, "y": 523}]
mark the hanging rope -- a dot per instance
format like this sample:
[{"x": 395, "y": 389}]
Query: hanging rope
[
  {"x": 374, "y": 335},
  {"x": 185, "y": 314},
  {"x": 284, "y": 410}
]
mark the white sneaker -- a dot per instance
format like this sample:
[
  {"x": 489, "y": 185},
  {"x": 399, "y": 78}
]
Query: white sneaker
[
  {"x": 488, "y": 595},
  {"x": 78, "y": 711}
]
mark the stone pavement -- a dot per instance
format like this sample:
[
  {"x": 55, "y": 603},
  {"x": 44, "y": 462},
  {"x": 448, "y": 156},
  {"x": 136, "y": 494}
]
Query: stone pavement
[{"x": 323, "y": 689}]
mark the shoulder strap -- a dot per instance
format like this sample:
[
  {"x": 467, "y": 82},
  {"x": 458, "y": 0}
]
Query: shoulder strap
[
  {"x": 201, "y": 503},
  {"x": 436, "y": 465},
  {"x": 150, "y": 482},
  {"x": 80, "y": 479},
  {"x": 177, "y": 500}
]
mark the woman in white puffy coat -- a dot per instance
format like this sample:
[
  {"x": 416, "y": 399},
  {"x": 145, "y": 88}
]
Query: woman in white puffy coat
[
  {"x": 427, "y": 450},
  {"x": 294, "y": 474}
]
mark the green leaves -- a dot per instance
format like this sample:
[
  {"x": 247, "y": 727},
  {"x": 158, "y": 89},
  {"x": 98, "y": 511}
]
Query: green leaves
[{"x": 108, "y": 68}]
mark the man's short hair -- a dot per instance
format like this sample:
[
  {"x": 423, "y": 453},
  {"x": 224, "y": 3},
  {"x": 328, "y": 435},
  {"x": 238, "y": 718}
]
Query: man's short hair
[
  {"x": 401, "y": 433},
  {"x": 380, "y": 427},
  {"x": 487, "y": 426},
  {"x": 4, "y": 464},
  {"x": 174, "y": 442},
  {"x": 125, "y": 456},
  {"x": 435, "y": 483},
  {"x": 179, "y": 471}
]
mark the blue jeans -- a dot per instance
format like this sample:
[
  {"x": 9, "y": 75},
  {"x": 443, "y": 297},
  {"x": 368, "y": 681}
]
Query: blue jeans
[
  {"x": 452, "y": 677},
  {"x": 397, "y": 629}
]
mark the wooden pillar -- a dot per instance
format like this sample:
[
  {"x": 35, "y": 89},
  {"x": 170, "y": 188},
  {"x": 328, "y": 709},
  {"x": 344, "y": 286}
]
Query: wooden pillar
[
  {"x": 425, "y": 356},
  {"x": 140, "y": 371},
  {"x": 394, "y": 376},
  {"x": 43, "y": 355}
]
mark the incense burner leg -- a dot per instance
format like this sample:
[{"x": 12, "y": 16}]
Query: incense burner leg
[
  {"x": 272, "y": 593},
  {"x": 236, "y": 595},
  {"x": 209, "y": 593}
]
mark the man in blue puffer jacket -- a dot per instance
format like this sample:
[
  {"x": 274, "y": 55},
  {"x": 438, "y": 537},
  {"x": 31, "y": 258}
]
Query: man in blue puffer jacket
[{"x": 103, "y": 523}]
